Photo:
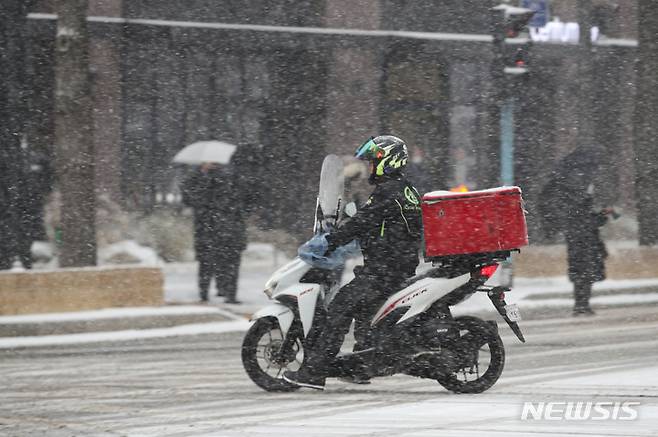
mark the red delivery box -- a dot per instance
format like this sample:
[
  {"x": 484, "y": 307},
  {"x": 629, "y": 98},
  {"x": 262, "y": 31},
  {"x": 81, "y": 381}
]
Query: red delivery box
[{"x": 473, "y": 222}]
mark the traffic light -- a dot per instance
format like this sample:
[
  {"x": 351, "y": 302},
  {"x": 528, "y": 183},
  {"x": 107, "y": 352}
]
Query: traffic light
[
  {"x": 518, "y": 62},
  {"x": 514, "y": 19}
]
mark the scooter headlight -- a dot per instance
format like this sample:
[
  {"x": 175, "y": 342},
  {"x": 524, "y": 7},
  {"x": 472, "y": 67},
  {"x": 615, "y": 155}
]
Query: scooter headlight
[{"x": 270, "y": 286}]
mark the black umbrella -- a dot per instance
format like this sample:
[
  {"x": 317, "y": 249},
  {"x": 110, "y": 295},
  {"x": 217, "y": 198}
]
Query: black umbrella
[
  {"x": 567, "y": 186},
  {"x": 577, "y": 170}
]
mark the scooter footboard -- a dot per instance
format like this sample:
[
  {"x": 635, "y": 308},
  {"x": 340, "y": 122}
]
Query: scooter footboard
[{"x": 283, "y": 314}]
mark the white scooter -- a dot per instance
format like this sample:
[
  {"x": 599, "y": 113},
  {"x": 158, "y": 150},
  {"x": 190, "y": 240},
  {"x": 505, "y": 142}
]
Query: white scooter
[{"x": 413, "y": 332}]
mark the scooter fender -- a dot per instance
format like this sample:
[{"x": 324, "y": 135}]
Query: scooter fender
[{"x": 283, "y": 314}]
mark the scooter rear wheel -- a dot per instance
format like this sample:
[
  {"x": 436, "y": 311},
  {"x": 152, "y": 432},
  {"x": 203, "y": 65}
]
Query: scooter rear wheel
[
  {"x": 479, "y": 334},
  {"x": 263, "y": 359}
]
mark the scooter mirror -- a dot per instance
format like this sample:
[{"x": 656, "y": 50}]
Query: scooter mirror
[{"x": 350, "y": 209}]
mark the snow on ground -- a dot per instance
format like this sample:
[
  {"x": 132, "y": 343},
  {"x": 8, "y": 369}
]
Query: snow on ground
[
  {"x": 525, "y": 289},
  {"x": 235, "y": 323},
  {"x": 646, "y": 379},
  {"x": 260, "y": 261},
  {"x": 499, "y": 413},
  {"x": 142, "y": 255},
  {"x": 110, "y": 313},
  {"x": 132, "y": 334},
  {"x": 496, "y": 413}
]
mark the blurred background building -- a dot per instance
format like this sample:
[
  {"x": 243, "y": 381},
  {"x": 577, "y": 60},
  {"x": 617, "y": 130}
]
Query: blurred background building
[{"x": 309, "y": 77}]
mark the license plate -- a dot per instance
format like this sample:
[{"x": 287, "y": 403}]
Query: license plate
[{"x": 513, "y": 312}]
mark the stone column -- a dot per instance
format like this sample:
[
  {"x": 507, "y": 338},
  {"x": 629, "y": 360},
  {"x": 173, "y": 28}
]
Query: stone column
[
  {"x": 105, "y": 65},
  {"x": 353, "y": 85}
]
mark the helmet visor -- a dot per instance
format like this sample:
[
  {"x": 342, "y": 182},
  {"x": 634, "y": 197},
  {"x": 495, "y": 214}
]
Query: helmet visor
[{"x": 368, "y": 150}]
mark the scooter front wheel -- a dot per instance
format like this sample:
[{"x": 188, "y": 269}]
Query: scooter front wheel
[{"x": 263, "y": 358}]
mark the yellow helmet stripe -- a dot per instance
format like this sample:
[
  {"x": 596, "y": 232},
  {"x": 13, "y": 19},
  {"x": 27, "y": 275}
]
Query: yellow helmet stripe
[{"x": 381, "y": 165}]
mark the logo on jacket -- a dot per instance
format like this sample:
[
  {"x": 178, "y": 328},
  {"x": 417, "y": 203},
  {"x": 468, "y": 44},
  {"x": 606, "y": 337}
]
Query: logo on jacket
[{"x": 410, "y": 195}]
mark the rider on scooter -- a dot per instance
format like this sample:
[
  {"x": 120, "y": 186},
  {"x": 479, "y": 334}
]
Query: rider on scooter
[{"x": 388, "y": 228}]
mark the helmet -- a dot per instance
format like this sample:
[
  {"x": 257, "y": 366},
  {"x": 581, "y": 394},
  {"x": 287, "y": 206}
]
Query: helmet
[{"x": 388, "y": 154}]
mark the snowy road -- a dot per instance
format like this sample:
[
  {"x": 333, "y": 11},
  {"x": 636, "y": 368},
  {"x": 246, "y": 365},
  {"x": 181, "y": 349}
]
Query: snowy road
[{"x": 195, "y": 385}]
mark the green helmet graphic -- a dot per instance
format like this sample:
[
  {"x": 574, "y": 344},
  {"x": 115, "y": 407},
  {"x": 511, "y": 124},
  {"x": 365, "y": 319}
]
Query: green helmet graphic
[{"x": 388, "y": 153}]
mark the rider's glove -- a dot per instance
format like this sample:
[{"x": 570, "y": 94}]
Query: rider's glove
[{"x": 332, "y": 245}]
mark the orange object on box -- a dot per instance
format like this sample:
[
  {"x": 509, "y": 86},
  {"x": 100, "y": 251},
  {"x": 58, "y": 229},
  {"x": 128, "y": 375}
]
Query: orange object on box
[{"x": 473, "y": 222}]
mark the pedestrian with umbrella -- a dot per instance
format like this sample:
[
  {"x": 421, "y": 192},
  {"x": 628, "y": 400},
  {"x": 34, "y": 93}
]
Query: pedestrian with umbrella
[
  {"x": 567, "y": 205},
  {"x": 213, "y": 190}
]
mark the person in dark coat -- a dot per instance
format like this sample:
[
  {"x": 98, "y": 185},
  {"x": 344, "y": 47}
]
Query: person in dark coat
[
  {"x": 586, "y": 251},
  {"x": 6, "y": 231},
  {"x": 388, "y": 228},
  {"x": 24, "y": 182},
  {"x": 567, "y": 206},
  {"x": 214, "y": 193},
  {"x": 35, "y": 184}
]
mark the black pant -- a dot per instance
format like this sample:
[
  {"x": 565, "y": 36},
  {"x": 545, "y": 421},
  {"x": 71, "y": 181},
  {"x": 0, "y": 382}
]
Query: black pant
[
  {"x": 25, "y": 253},
  {"x": 582, "y": 290},
  {"x": 358, "y": 300},
  {"x": 224, "y": 267}
]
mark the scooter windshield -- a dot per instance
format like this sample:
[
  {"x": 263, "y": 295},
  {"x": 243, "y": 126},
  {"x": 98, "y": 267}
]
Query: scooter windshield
[{"x": 332, "y": 185}]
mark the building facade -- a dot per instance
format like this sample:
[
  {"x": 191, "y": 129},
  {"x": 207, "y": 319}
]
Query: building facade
[{"x": 294, "y": 81}]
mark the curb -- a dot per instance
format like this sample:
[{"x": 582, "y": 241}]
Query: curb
[
  {"x": 211, "y": 328},
  {"x": 170, "y": 316},
  {"x": 117, "y": 319},
  {"x": 595, "y": 293}
]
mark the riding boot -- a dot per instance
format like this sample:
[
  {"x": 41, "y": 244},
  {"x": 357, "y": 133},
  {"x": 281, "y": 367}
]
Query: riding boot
[
  {"x": 304, "y": 378},
  {"x": 311, "y": 374},
  {"x": 360, "y": 374}
]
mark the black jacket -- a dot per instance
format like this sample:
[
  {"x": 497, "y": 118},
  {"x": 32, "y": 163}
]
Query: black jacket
[
  {"x": 219, "y": 210},
  {"x": 586, "y": 251},
  {"x": 388, "y": 228}
]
